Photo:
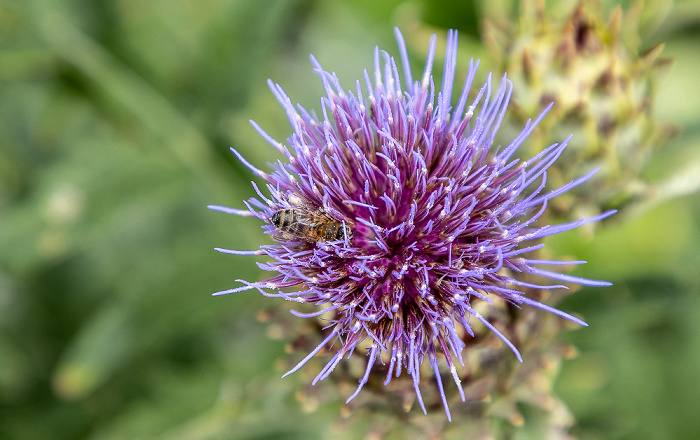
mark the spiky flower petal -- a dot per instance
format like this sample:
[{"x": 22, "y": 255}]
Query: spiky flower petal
[{"x": 440, "y": 219}]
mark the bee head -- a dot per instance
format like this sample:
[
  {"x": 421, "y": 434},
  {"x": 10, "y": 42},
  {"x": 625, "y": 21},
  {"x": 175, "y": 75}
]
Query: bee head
[{"x": 276, "y": 219}]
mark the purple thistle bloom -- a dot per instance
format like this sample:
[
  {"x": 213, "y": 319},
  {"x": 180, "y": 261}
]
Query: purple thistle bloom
[{"x": 439, "y": 218}]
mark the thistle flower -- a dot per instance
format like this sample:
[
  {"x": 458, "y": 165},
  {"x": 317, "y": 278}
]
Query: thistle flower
[
  {"x": 435, "y": 222},
  {"x": 604, "y": 86}
]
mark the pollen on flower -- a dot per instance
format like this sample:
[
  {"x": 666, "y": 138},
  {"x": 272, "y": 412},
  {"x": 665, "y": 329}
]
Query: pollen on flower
[{"x": 403, "y": 220}]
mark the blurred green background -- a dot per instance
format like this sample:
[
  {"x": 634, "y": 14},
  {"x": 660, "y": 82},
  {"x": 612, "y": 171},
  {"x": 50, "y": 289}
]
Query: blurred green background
[{"x": 115, "y": 123}]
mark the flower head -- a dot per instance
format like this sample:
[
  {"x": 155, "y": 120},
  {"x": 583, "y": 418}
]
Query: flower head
[
  {"x": 591, "y": 64},
  {"x": 427, "y": 217}
]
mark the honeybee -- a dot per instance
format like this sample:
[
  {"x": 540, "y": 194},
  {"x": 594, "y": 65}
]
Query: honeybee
[{"x": 309, "y": 225}]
